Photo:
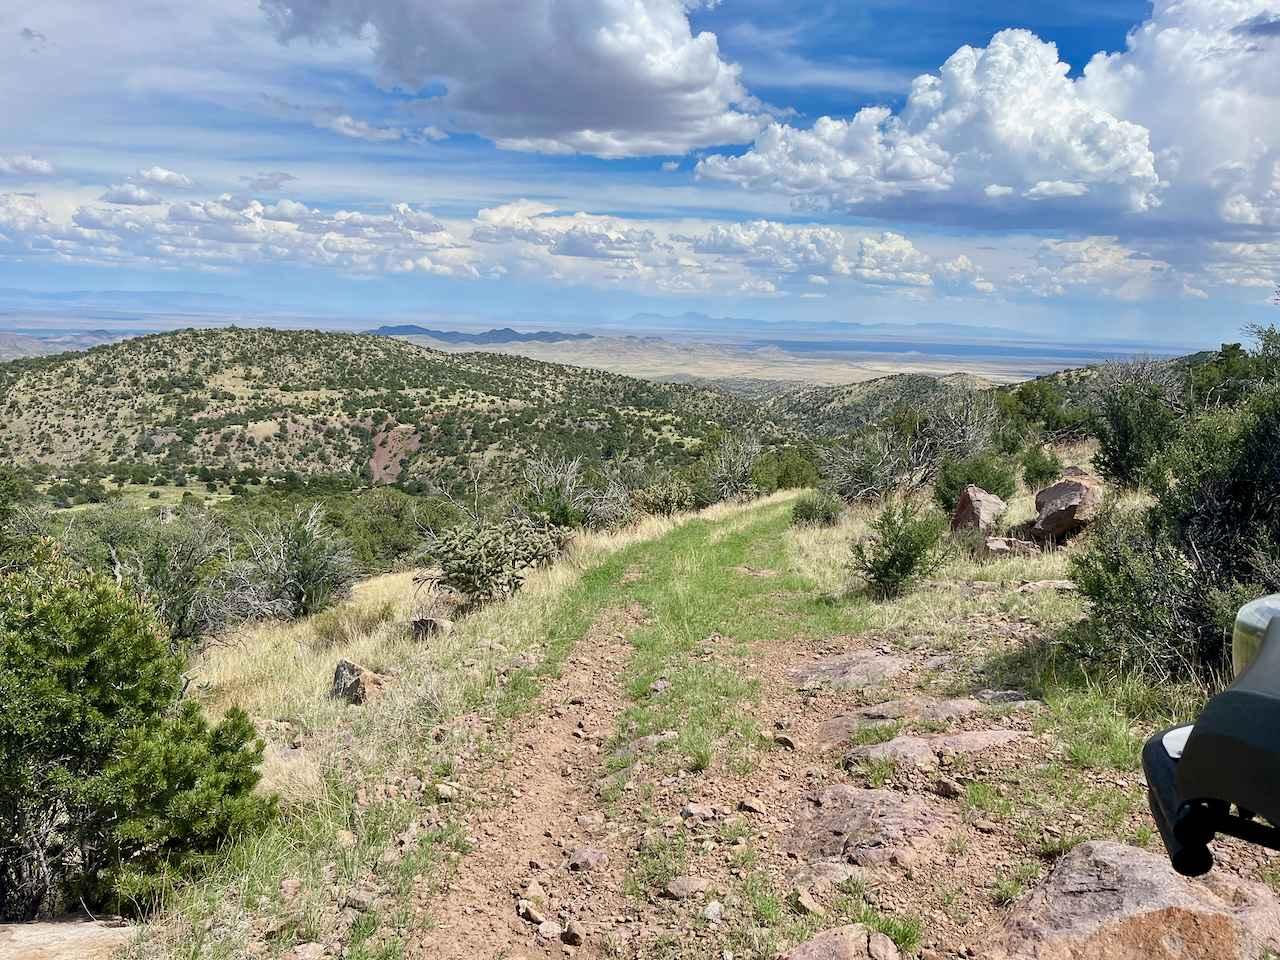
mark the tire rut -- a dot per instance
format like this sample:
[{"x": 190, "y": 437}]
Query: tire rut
[{"x": 552, "y": 810}]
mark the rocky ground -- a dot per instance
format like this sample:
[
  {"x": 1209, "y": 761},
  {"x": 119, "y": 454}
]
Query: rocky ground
[
  {"x": 735, "y": 759},
  {"x": 888, "y": 814}
]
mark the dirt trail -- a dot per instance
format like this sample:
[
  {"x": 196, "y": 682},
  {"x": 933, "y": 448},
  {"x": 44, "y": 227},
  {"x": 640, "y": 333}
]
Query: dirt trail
[{"x": 553, "y": 812}]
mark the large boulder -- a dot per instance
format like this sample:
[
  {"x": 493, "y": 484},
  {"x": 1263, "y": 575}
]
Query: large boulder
[
  {"x": 1108, "y": 901},
  {"x": 1068, "y": 506},
  {"x": 854, "y": 942},
  {"x": 354, "y": 683},
  {"x": 977, "y": 510},
  {"x": 65, "y": 940}
]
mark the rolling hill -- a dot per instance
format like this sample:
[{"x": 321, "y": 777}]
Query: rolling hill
[{"x": 274, "y": 401}]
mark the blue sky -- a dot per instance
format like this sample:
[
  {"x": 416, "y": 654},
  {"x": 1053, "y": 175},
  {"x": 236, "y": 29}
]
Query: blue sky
[{"x": 1094, "y": 168}]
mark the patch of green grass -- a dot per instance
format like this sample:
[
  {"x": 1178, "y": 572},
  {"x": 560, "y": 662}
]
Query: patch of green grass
[
  {"x": 1011, "y": 886},
  {"x": 987, "y": 798},
  {"x": 872, "y": 734},
  {"x": 877, "y": 772},
  {"x": 773, "y": 922},
  {"x": 659, "y": 860}
]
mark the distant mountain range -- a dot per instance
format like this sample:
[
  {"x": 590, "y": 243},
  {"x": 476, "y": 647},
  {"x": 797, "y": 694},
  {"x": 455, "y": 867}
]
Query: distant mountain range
[
  {"x": 502, "y": 335},
  {"x": 16, "y": 346}
]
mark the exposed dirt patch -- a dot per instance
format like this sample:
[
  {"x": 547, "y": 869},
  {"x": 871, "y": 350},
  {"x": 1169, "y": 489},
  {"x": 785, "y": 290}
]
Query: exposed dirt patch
[
  {"x": 546, "y": 867},
  {"x": 389, "y": 449}
]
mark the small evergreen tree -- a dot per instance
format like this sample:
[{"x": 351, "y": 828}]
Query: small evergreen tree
[{"x": 104, "y": 772}]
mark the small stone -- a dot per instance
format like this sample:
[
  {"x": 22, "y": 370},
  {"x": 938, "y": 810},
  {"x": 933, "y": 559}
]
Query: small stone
[
  {"x": 549, "y": 930},
  {"x": 354, "y": 683},
  {"x": 806, "y": 904},
  {"x": 784, "y": 741},
  {"x": 427, "y": 627},
  {"x": 574, "y": 934},
  {"x": 946, "y": 787},
  {"x": 346, "y": 839},
  {"x": 660, "y": 686},
  {"x": 685, "y": 888},
  {"x": 698, "y": 811},
  {"x": 752, "y": 805},
  {"x": 713, "y": 911},
  {"x": 360, "y": 900},
  {"x": 446, "y": 792},
  {"x": 587, "y": 858},
  {"x": 290, "y": 887},
  {"x": 528, "y": 910}
]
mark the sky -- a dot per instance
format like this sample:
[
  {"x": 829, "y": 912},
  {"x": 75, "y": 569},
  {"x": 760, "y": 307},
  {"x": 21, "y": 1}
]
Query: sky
[{"x": 1101, "y": 168}]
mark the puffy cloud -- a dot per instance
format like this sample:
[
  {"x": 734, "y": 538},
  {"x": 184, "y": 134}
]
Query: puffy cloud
[
  {"x": 1056, "y": 190},
  {"x": 892, "y": 259},
  {"x": 1204, "y": 77},
  {"x": 1178, "y": 127},
  {"x": 1102, "y": 266},
  {"x": 963, "y": 275},
  {"x": 164, "y": 178},
  {"x": 21, "y": 164},
  {"x": 778, "y": 247},
  {"x": 1006, "y": 113},
  {"x": 229, "y": 232},
  {"x": 21, "y": 213},
  {"x": 130, "y": 194},
  {"x": 606, "y": 77},
  {"x": 579, "y": 235}
]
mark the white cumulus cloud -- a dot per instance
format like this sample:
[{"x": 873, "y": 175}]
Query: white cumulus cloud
[
  {"x": 164, "y": 178},
  {"x": 26, "y": 164},
  {"x": 606, "y": 77},
  {"x": 130, "y": 194},
  {"x": 1007, "y": 111}
]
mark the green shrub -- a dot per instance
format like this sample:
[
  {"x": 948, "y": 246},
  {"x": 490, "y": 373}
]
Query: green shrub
[
  {"x": 907, "y": 544},
  {"x": 1151, "y": 610},
  {"x": 1165, "y": 583},
  {"x": 819, "y": 509},
  {"x": 298, "y": 565},
  {"x": 1218, "y": 490},
  {"x": 990, "y": 471},
  {"x": 730, "y": 468},
  {"x": 788, "y": 469},
  {"x": 483, "y": 561},
  {"x": 175, "y": 561},
  {"x": 1040, "y": 467},
  {"x": 666, "y": 496},
  {"x": 108, "y": 781},
  {"x": 1133, "y": 425}
]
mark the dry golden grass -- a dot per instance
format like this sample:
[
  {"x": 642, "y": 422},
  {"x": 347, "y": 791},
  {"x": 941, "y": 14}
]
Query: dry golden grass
[{"x": 283, "y": 672}]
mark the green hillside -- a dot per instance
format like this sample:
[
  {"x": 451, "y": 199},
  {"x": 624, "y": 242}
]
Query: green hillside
[{"x": 267, "y": 402}]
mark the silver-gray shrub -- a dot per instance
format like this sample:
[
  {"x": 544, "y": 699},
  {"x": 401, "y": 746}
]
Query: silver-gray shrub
[
  {"x": 296, "y": 565},
  {"x": 731, "y": 465}
]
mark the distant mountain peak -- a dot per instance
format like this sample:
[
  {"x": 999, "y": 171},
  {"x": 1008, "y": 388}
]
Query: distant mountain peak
[{"x": 496, "y": 336}]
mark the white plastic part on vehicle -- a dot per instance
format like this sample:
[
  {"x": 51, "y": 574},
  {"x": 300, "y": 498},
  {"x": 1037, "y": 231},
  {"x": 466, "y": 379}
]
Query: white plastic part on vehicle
[
  {"x": 1175, "y": 741},
  {"x": 1251, "y": 630}
]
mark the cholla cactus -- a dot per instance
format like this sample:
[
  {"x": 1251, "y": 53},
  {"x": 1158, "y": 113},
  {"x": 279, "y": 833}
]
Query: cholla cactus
[{"x": 483, "y": 561}]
